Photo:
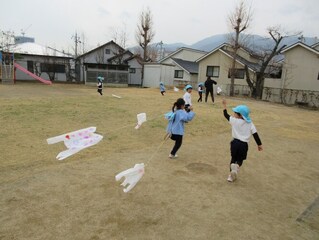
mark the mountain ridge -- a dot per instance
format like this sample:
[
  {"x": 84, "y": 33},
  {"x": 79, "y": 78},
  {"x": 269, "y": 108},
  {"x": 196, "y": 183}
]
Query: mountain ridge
[{"x": 254, "y": 42}]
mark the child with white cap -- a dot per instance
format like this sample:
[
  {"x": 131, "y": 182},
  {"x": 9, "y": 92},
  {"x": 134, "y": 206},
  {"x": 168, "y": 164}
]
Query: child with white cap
[
  {"x": 188, "y": 97},
  {"x": 242, "y": 129}
]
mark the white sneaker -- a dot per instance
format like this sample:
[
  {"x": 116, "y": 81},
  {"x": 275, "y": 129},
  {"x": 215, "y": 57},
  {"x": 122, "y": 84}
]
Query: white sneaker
[
  {"x": 234, "y": 171},
  {"x": 173, "y": 156},
  {"x": 229, "y": 179}
]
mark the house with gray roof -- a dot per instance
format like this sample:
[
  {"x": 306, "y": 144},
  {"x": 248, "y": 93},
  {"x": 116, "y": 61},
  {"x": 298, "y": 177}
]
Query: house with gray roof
[
  {"x": 118, "y": 66},
  {"x": 177, "y": 69}
]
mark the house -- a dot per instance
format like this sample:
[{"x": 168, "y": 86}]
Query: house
[
  {"x": 135, "y": 70},
  {"x": 217, "y": 64},
  {"x": 177, "y": 69},
  {"x": 300, "y": 76},
  {"x": 45, "y": 62},
  {"x": 117, "y": 65}
]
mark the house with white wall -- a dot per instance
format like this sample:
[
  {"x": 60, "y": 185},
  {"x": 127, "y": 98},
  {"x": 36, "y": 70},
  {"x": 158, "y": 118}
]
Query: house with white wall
[
  {"x": 43, "y": 61},
  {"x": 174, "y": 70},
  {"x": 118, "y": 66},
  {"x": 300, "y": 76},
  {"x": 217, "y": 64}
]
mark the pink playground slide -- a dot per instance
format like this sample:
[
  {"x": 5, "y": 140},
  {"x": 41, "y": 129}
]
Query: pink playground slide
[{"x": 32, "y": 74}]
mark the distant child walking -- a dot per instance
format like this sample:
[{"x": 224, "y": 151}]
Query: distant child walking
[
  {"x": 188, "y": 97},
  {"x": 162, "y": 88},
  {"x": 100, "y": 85},
  {"x": 177, "y": 118},
  {"x": 242, "y": 129},
  {"x": 200, "y": 92}
]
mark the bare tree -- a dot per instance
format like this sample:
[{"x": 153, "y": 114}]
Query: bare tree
[
  {"x": 266, "y": 57},
  {"x": 120, "y": 37},
  {"x": 239, "y": 20},
  {"x": 144, "y": 35}
]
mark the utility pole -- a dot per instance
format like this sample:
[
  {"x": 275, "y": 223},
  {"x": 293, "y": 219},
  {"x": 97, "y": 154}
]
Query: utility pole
[
  {"x": 161, "y": 50},
  {"x": 76, "y": 41}
]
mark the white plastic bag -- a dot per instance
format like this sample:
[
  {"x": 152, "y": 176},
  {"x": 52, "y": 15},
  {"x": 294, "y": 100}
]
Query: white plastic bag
[
  {"x": 132, "y": 176},
  {"x": 141, "y": 118},
  {"x": 76, "y": 141}
]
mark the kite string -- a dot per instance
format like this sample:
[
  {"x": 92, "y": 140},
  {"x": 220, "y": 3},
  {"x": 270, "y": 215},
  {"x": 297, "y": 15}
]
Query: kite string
[
  {"x": 129, "y": 125},
  {"x": 156, "y": 151}
]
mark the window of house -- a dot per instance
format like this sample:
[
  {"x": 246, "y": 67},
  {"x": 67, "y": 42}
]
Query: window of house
[
  {"x": 30, "y": 66},
  {"x": 178, "y": 74},
  {"x": 212, "y": 71},
  {"x": 132, "y": 70},
  {"x": 107, "y": 51},
  {"x": 49, "y": 67},
  {"x": 275, "y": 74},
  {"x": 239, "y": 73}
]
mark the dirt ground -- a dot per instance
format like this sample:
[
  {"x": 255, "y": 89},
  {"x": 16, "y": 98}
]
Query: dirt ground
[{"x": 187, "y": 198}]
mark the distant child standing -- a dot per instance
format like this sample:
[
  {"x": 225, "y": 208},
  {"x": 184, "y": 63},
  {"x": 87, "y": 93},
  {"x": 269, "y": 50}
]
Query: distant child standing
[
  {"x": 100, "y": 84},
  {"x": 188, "y": 97},
  {"x": 162, "y": 88},
  {"x": 200, "y": 92},
  {"x": 242, "y": 129},
  {"x": 177, "y": 118}
]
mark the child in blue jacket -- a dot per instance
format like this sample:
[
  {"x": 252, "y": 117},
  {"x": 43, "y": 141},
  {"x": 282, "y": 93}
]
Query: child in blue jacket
[{"x": 175, "y": 127}]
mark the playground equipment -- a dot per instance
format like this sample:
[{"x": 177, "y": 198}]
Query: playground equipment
[
  {"x": 7, "y": 68},
  {"x": 32, "y": 74}
]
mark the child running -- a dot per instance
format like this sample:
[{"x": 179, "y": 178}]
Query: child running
[
  {"x": 200, "y": 92},
  {"x": 175, "y": 127},
  {"x": 242, "y": 129},
  {"x": 100, "y": 85},
  {"x": 188, "y": 97},
  {"x": 162, "y": 88}
]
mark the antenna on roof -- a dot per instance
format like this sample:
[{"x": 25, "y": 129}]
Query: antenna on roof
[{"x": 25, "y": 29}]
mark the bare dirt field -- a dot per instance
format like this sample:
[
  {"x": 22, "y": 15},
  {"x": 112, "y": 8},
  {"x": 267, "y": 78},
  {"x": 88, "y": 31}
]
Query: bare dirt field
[{"x": 187, "y": 198}]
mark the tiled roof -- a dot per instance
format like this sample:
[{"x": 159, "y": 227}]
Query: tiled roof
[{"x": 189, "y": 66}]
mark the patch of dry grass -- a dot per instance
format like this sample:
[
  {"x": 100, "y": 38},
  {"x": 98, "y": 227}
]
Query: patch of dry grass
[{"x": 188, "y": 198}]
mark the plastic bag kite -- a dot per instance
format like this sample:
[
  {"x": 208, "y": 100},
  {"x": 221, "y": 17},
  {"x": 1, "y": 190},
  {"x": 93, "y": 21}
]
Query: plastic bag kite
[
  {"x": 176, "y": 89},
  {"x": 141, "y": 118},
  {"x": 219, "y": 90},
  {"x": 76, "y": 141},
  {"x": 132, "y": 176}
]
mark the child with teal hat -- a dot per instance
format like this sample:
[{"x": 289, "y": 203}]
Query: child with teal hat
[
  {"x": 162, "y": 88},
  {"x": 242, "y": 129},
  {"x": 100, "y": 84},
  {"x": 200, "y": 91}
]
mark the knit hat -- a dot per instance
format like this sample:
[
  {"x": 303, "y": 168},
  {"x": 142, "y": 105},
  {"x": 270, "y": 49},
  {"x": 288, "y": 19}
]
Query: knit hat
[{"x": 244, "y": 111}]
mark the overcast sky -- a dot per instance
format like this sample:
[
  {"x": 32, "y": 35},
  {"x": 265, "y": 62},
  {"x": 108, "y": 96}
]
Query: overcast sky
[{"x": 53, "y": 22}]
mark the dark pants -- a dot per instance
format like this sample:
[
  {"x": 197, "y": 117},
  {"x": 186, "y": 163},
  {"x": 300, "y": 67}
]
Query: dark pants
[
  {"x": 238, "y": 150},
  {"x": 178, "y": 143},
  {"x": 211, "y": 93},
  {"x": 100, "y": 91},
  {"x": 200, "y": 97},
  {"x": 162, "y": 92}
]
